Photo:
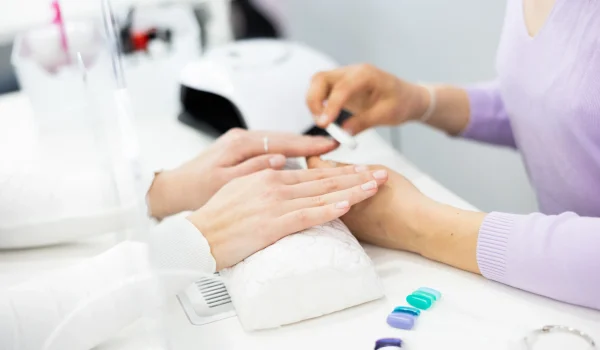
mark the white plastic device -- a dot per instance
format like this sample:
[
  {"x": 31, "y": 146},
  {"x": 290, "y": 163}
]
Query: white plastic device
[
  {"x": 266, "y": 80},
  {"x": 341, "y": 136}
]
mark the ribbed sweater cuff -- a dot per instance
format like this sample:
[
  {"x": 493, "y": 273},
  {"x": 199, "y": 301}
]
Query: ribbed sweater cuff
[
  {"x": 492, "y": 245},
  {"x": 482, "y": 104}
]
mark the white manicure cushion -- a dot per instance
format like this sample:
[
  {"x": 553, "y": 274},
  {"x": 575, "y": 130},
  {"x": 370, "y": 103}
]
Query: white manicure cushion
[{"x": 305, "y": 275}]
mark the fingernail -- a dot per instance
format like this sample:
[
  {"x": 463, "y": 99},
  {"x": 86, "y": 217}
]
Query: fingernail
[
  {"x": 360, "y": 168},
  {"x": 332, "y": 163},
  {"x": 322, "y": 119},
  {"x": 328, "y": 140},
  {"x": 342, "y": 205},
  {"x": 349, "y": 130},
  {"x": 380, "y": 174},
  {"x": 369, "y": 185},
  {"x": 277, "y": 161}
]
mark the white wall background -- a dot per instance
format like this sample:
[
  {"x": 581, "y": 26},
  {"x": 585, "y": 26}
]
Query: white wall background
[{"x": 424, "y": 40}]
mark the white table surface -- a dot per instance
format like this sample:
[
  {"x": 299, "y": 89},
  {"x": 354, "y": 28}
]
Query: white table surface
[{"x": 474, "y": 313}]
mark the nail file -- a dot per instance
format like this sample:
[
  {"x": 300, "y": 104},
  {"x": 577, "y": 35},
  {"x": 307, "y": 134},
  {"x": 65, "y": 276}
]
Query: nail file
[{"x": 341, "y": 136}]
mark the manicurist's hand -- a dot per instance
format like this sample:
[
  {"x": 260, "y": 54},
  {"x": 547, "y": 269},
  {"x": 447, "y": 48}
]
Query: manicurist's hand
[
  {"x": 252, "y": 212},
  {"x": 401, "y": 217},
  {"x": 237, "y": 153},
  {"x": 373, "y": 96}
]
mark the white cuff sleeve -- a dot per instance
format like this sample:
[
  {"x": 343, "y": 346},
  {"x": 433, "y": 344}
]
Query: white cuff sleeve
[{"x": 178, "y": 248}]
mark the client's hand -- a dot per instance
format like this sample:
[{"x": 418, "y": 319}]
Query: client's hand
[
  {"x": 392, "y": 218},
  {"x": 254, "y": 211},
  {"x": 237, "y": 153}
]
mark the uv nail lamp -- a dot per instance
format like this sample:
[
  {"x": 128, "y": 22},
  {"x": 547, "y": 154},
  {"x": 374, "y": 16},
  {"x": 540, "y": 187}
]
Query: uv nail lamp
[{"x": 256, "y": 84}]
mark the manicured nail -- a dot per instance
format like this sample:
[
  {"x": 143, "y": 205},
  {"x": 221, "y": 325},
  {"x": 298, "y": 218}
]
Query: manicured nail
[
  {"x": 342, "y": 205},
  {"x": 380, "y": 174},
  {"x": 324, "y": 140},
  {"x": 331, "y": 141},
  {"x": 322, "y": 119},
  {"x": 369, "y": 185},
  {"x": 277, "y": 161},
  {"x": 361, "y": 168}
]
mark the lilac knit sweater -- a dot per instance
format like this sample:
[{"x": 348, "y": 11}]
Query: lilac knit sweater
[{"x": 546, "y": 104}]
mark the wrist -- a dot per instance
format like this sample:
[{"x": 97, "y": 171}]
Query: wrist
[
  {"x": 422, "y": 102},
  {"x": 164, "y": 197},
  {"x": 420, "y": 222},
  {"x": 211, "y": 232},
  {"x": 424, "y": 224}
]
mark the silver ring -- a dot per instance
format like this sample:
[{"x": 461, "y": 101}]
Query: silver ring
[
  {"x": 266, "y": 144},
  {"x": 530, "y": 339}
]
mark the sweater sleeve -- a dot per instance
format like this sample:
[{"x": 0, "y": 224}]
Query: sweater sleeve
[
  {"x": 551, "y": 255},
  {"x": 85, "y": 304},
  {"x": 488, "y": 121}
]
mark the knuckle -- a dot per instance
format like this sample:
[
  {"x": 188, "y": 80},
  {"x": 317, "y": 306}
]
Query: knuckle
[
  {"x": 318, "y": 201},
  {"x": 350, "y": 169},
  {"x": 236, "y": 137},
  {"x": 342, "y": 91},
  {"x": 356, "y": 195},
  {"x": 367, "y": 175},
  {"x": 330, "y": 185},
  {"x": 302, "y": 216},
  {"x": 309, "y": 99},
  {"x": 268, "y": 175},
  {"x": 318, "y": 78},
  {"x": 320, "y": 174},
  {"x": 235, "y": 133},
  {"x": 271, "y": 193},
  {"x": 281, "y": 192},
  {"x": 292, "y": 175},
  {"x": 366, "y": 68}
]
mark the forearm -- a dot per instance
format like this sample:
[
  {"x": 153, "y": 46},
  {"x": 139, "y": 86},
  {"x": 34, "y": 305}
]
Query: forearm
[
  {"x": 449, "y": 235},
  {"x": 400, "y": 217},
  {"x": 169, "y": 194},
  {"x": 551, "y": 255}
]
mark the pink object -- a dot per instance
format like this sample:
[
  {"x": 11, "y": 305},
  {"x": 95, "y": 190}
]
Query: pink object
[{"x": 58, "y": 20}]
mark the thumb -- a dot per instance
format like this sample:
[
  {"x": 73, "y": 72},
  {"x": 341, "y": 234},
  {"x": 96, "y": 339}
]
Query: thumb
[{"x": 255, "y": 164}]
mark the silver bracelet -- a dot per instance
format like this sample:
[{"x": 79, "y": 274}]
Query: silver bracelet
[
  {"x": 432, "y": 104},
  {"x": 531, "y": 338}
]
